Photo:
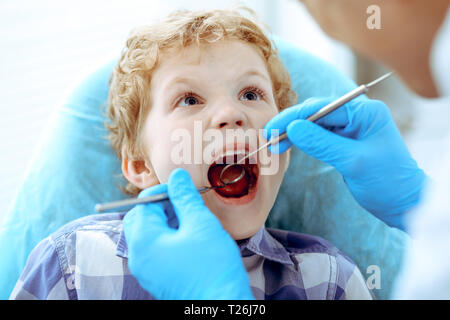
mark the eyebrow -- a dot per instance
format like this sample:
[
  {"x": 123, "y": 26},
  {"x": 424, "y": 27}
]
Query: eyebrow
[
  {"x": 188, "y": 80},
  {"x": 253, "y": 72}
]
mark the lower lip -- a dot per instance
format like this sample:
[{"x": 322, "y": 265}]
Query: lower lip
[{"x": 241, "y": 200}]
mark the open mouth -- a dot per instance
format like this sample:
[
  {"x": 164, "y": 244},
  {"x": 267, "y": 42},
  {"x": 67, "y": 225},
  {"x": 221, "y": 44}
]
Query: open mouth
[{"x": 239, "y": 189}]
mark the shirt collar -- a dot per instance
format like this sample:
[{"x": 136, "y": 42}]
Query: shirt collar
[
  {"x": 262, "y": 243},
  {"x": 265, "y": 245}
]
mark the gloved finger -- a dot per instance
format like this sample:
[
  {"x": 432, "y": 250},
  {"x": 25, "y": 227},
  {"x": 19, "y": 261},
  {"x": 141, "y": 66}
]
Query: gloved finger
[
  {"x": 169, "y": 212},
  {"x": 157, "y": 189},
  {"x": 185, "y": 198},
  {"x": 143, "y": 208},
  {"x": 282, "y": 119},
  {"x": 338, "y": 118},
  {"x": 280, "y": 147},
  {"x": 369, "y": 116},
  {"x": 144, "y": 223},
  {"x": 322, "y": 144},
  {"x": 333, "y": 121},
  {"x": 149, "y": 216}
]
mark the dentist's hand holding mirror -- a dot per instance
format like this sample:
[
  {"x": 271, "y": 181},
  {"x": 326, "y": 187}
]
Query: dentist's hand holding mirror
[{"x": 198, "y": 260}]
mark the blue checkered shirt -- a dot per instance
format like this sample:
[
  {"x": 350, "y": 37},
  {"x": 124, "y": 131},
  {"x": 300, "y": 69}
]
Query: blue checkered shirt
[{"x": 87, "y": 259}]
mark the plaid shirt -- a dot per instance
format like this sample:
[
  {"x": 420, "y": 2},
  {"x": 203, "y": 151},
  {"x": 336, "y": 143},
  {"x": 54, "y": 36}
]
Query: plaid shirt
[{"x": 87, "y": 259}]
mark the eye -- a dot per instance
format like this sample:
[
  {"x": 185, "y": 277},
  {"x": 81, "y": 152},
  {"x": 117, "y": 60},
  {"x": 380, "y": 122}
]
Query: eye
[
  {"x": 188, "y": 99},
  {"x": 252, "y": 94}
]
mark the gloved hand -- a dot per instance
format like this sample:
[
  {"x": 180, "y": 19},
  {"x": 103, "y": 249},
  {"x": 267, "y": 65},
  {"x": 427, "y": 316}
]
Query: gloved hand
[
  {"x": 361, "y": 140},
  {"x": 198, "y": 260}
]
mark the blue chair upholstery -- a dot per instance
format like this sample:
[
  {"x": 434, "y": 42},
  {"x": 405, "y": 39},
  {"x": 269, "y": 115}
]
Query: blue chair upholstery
[{"x": 75, "y": 168}]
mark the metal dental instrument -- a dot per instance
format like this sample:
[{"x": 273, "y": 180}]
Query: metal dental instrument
[
  {"x": 129, "y": 203},
  {"x": 364, "y": 88}
]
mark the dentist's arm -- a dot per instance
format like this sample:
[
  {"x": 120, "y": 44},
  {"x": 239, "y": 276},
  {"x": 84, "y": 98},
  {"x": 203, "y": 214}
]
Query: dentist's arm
[
  {"x": 199, "y": 260},
  {"x": 362, "y": 142}
]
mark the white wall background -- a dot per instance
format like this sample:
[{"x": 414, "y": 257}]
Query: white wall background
[{"x": 48, "y": 45}]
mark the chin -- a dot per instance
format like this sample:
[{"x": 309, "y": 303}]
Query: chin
[{"x": 242, "y": 217}]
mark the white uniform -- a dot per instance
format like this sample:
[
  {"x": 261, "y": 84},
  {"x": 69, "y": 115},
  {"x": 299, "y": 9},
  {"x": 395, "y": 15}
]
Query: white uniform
[{"x": 426, "y": 268}]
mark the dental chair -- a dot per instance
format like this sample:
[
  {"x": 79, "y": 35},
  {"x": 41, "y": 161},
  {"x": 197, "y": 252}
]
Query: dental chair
[{"x": 75, "y": 168}]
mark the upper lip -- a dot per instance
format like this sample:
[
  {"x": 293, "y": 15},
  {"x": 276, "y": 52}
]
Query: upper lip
[{"x": 242, "y": 149}]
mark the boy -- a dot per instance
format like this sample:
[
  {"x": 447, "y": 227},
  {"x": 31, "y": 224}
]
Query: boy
[{"x": 217, "y": 69}]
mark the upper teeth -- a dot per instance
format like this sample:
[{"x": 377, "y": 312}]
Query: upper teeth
[
  {"x": 229, "y": 155},
  {"x": 232, "y": 153}
]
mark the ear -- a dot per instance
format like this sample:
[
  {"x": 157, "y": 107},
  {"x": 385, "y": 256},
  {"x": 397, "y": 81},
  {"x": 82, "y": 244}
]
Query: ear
[{"x": 138, "y": 172}]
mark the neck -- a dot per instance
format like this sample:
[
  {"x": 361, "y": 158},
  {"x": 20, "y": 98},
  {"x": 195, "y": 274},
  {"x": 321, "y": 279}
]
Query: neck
[
  {"x": 412, "y": 58},
  {"x": 418, "y": 77}
]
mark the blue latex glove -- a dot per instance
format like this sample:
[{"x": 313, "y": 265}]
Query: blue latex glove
[
  {"x": 362, "y": 142},
  {"x": 198, "y": 260}
]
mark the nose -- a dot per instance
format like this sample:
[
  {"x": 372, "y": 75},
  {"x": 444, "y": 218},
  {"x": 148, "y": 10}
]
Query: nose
[{"x": 227, "y": 115}]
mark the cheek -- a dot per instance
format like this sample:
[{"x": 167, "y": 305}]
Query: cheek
[
  {"x": 157, "y": 144},
  {"x": 264, "y": 115},
  {"x": 172, "y": 147}
]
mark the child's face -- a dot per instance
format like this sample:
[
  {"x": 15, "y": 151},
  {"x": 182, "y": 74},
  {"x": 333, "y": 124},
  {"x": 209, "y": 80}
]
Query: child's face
[{"x": 220, "y": 86}]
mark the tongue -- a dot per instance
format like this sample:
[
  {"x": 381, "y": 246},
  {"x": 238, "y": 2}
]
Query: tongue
[{"x": 237, "y": 189}]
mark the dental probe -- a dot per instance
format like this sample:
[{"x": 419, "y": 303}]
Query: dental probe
[
  {"x": 364, "y": 88},
  {"x": 129, "y": 203}
]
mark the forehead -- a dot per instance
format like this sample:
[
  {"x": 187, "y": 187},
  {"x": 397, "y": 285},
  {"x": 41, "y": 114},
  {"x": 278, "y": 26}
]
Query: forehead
[{"x": 226, "y": 58}]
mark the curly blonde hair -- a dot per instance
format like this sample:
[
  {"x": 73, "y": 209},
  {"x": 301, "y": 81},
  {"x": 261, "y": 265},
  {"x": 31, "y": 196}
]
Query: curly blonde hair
[{"x": 128, "y": 101}]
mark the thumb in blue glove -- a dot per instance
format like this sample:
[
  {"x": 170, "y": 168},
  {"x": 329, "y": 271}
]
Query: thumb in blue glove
[
  {"x": 198, "y": 260},
  {"x": 361, "y": 140}
]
